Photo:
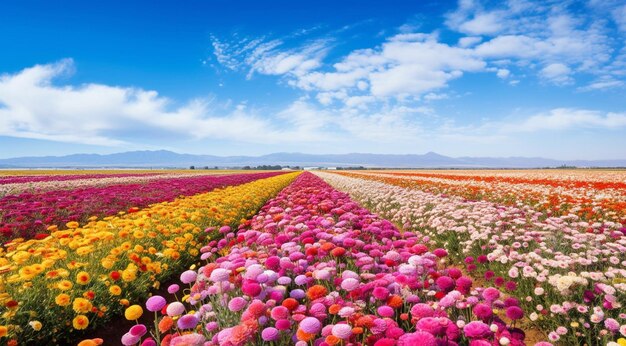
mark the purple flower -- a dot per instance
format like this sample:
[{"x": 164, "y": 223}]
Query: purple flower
[
  {"x": 187, "y": 322},
  {"x": 155, "y": 303}
]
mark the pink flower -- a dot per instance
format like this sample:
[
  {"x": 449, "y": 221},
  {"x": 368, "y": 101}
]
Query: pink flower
[
  {"x": 188, "y": 276},
  {"x": 514, "y": 312},
  {"x": 279, "y": 312},
  {"x": 385, "y": 311},
  {"x": 269, "y": 334},
  {"x": 138, "y": 330},
  {"x": 310, "y": 325},
  {"x": 476, "y": 329},
  {"x": 155, "y": 303},
  {"x": 422, "y": 310},
  {"x": 193, "y": 339},
  {"x": 482, "y": 311},
  {"x": 283, "y": 324},
  {"x": 417, "y": 338},
  {"x": 491, "y": 294},
  {"x": 342, "y": 331},
  {"x": 350, "y": 284},
  {"x": 237, "y": 304},
  {"x": 380, "y": 293}
]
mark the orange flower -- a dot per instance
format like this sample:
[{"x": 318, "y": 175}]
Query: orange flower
[
  {"x": 304, "y": 336},
  {"x": 290, "y": 303},
  {"x": 332, "y": 340},
  {"x": 165, "y": 324},
  {"x": 80, "y": 322},
  {"x": 83, "y": 278},
  {"x": 357, "y": 330},
  {"x": 395, "y": 301},
  {"x": 338, "y": 252},
  {"x": 365, "y": 321},
  {"x": 317, "y": 291},
  {"x": 327, "y": 246},
  {"x": 334, "y": 309}
]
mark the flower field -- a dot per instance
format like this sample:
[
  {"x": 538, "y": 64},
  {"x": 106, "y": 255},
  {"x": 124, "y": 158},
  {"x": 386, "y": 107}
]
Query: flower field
[
  {"x": 79, "y": 278},
  {"x": 565, "y": 269},
  {"x": 372, "y": 258},
  {"x": 28, "y": 214}
]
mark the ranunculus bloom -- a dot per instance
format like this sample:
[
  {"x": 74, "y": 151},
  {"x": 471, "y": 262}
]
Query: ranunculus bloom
[{"x": 155, "y": 303}]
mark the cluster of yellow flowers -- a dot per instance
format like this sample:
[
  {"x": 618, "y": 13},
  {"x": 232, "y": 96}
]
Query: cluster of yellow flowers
[{"x": 83, "y": 276}]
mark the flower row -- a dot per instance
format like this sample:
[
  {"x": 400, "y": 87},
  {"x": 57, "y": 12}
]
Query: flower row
[
  {"x": 29, "y": 214},
  {"x": 52, "y": 289},
  {"x": 556, "y": 198}
]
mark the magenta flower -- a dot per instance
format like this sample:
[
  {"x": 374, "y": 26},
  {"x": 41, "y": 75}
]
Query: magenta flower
[
  {"x": 514, "y": 312},
  {"x": 138, "y": 330},
  {"x": 482, "y": 311},
  {"x": 476, "y": 329},
  {"x": 417, "y": 338}
]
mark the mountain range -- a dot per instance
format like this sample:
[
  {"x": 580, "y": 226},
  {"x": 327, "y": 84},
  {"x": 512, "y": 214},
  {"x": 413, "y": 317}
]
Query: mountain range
[{"x": 168, "y": 159}]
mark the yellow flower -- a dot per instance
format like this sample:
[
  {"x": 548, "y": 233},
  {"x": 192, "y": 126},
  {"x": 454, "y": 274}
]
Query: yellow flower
[
  {"x": 62, "y": 299},
  {"x": 133, "y": 312},
  {"x": 80, "y": 322},
  {"x": 115, "y": 290},
  {"x": 83, "y": 278},
  {"x": 124, "y": 302},
  {"x": 72, "y": 224},
  {"x": 621, "y": 342},
  {"x": 129, "y": 275},
  {"x": 82, "y": 305},
  {"x": 64, "y": 285},
  {"x": 36, "y": 325}
]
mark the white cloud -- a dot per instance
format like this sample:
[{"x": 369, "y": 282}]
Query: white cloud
[
  {"x": 557, "y": 73},
  {"x": 503, "y": 73},
  {"x": 97, "y": 114},
  {"x": 482, "y": 24},
  {"x": 469, "y": 41},
  {"x": 567, "y": 118},
  {"x": 619, "y": 16},
  {"x": 602, "y": 84}
]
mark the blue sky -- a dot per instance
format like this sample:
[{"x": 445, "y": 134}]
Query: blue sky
[{"x": 467, "y": 78}]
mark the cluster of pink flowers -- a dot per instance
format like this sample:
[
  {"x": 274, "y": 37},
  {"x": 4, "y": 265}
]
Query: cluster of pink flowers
[
  {"x": 29, "y": 214},
  {"x": 313, "y": 267}
]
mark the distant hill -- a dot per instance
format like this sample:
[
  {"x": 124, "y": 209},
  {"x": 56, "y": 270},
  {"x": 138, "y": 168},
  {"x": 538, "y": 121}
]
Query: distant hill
[{"x": 164, "y": 158}]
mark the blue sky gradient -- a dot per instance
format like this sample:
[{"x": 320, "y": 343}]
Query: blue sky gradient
[{"x": 467, "y": 78}]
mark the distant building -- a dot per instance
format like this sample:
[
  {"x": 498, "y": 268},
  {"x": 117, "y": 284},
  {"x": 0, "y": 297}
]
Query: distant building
[
  {"x": 331, "y": 168},
  {"x": 310, "y": 168},
  {"x": 286, "y": 169}
]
